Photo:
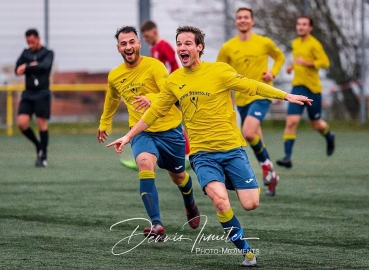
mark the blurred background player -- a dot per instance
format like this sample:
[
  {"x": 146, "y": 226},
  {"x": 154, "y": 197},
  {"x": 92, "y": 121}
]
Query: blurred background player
[
  {"x": 139, "y": 80},
  {"x": 309, "y": 56},
  {"x": 248, "y": 53},
  {"x": 35, "y": 63},
  {"x": 163, "y": 51},
  {"x": 160, "y": 48}
]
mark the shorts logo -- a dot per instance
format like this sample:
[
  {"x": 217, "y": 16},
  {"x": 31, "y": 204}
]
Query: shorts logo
[
  {"x": 177, "y": 168},
  {"x": 257, "y": 113},
  {"x": 181, "y": 87},
  {"x": 317, "y": 115},
  {"x": 249, "y": 180},
  {"x": 122, "y": 81}
]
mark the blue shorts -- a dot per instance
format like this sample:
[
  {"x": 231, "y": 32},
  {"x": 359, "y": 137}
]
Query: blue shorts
[
  {"x": 168, "y": 146},
  {"x": 229, "y": 167},
  {"x": 258, "y": 109},
  {"x": 314, "y": 111}
]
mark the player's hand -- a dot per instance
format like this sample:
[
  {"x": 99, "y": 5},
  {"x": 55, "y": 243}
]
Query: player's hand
[
  {"x": 141, "y": 102},
  {"x": 21, "y": 69},
  {"x": 300, "y": 61},
  {"x": 289, "y": 69},
  {"x": 102, "y": 136},
  {"x": 34, "y": 63},
  {"x": 268, "y": 76},
  {"x": 298, "y": 99},
  {"x": 118, "y": 144}
]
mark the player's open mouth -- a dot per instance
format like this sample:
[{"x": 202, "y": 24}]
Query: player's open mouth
[
  {"x": 129, "y": 54},
  {"x": 185, "y": 57}
]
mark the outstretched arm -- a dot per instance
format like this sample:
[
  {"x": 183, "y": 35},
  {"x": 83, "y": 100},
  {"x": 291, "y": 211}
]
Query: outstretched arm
[{"x": 237, "y": 82}]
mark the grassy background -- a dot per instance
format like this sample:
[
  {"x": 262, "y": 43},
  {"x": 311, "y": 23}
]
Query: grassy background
[{"x": 59, "y": 217}]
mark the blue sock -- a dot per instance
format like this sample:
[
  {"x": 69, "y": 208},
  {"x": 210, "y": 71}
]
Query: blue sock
[
  {"x": 186, "y": 189},
  {"x": 149, "y": 194},
  {"x": 327, "y": 133},
  {"x": 289, "y": 140},
  {"x": 229, "y": 222},
  {"x": 259, "y": 149}
]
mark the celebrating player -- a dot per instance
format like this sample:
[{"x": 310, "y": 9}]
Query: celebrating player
[
  {"x": 217, "y": 157},
  {"x": 248, "y": 54},
  {"x": 163, "y": 51},
  {"x": 139, "y": 80},
  {"x": 309, "y": 57},
  {"x": 35, "y": 62}
]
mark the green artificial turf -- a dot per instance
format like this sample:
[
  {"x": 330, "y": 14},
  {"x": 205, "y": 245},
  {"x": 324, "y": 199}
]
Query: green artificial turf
[{"x": 60, "y": 217}]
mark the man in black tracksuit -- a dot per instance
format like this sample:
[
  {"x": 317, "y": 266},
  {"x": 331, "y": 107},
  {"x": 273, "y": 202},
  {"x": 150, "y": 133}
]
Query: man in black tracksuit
[{"x": 35, "y": 63}]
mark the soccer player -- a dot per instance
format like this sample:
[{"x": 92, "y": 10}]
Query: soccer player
[
  {"x": 309, "y": 57},
  {"x": 160, "y": 48},
  {"x": 163, "y": 51},
  {"x": 217, "y": 157},
  {"x": 139, "y": 80},
  {"x": 248, "y": 54},
  {"x": 35, "y": 63}
]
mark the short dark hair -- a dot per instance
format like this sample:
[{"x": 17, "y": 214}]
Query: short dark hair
[
  {"x": 147, "y": 26},
  {"x": 246, "y": 9},
  {"x": 307, "y": 17},
  {"x": 126, "y": 29},
  {"x": 31, "y": 32},
  {"x": 199, "y": 35}
]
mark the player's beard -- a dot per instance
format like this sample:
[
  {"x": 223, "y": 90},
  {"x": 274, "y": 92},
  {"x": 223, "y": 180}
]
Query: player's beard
[{"x": 136, "y": 54}]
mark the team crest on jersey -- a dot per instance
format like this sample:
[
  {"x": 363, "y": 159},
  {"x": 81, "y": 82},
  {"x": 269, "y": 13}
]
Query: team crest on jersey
[{"x": 194, "y": 101}]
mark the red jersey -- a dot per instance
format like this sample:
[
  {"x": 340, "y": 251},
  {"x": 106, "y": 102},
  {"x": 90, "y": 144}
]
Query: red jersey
[{"x": 164, "y": 52}]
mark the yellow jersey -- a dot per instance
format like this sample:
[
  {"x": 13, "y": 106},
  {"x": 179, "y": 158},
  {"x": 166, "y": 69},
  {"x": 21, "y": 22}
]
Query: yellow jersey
[
  {"x": 204, "y": 95},
  {"x": 146, "y": 79},
  {"x": 250, "y": 59},
  {"x": 310, "y": 50}
]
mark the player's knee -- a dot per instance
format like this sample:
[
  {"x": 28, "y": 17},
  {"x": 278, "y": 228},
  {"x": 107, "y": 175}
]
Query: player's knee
[
  {"x": 145, "y": 165},
  {"x": 22, "y": 125},
  {"x": 221, "y": 204},
  {"x": 318, "y": 124},
  {"x": 249, "y": 136},
  {"x": 177, "y": 178},
  {"x": 250, "y": 204}
]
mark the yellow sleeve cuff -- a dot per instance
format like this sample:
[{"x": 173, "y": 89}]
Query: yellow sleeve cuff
[{"x": 149, "y": 118}]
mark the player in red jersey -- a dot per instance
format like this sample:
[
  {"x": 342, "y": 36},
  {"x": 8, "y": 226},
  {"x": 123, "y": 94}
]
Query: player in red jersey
[
  {"x": 160, "y": 48},
  {"x": 163, "y": 51}
]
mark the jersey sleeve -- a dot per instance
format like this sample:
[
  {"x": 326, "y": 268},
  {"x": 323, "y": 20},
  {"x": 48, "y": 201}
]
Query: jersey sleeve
[
  {"x": 321, "y": 58},
  {"x": 19, "y": 62},
  {"x": 161, "y": 105},
  {"x": 159, "y": 74},
  {"x": 277, "y": 55},
  {"x": 111, "y": 104},
  {"x": 222, "y": 55},
  {"x": 236, "y": 82}
]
